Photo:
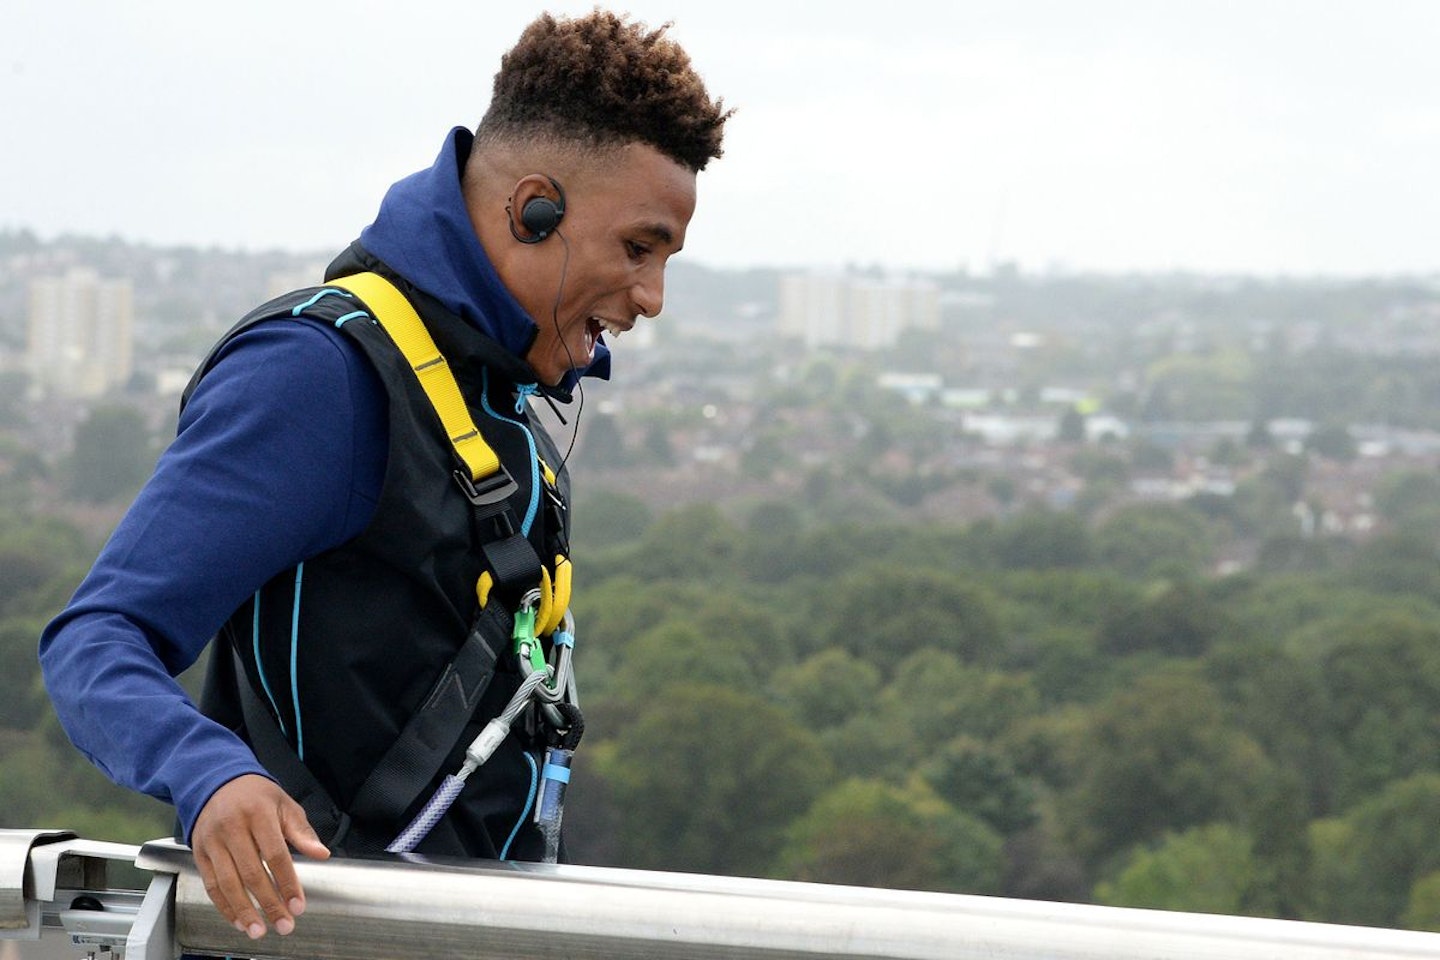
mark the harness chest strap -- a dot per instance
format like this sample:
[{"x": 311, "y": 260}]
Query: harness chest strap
[
  {"x": 510, "y": 557},
  {"x": 395, "y": 313}
]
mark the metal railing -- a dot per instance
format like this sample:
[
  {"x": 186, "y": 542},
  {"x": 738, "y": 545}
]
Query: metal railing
[{"x": 412, "y": 908}]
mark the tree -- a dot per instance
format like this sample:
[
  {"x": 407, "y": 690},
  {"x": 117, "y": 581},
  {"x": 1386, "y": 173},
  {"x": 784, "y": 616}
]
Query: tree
[
  {"x": 36, "y": 555},
  {"x": 938, "y": 696},
  {"x": 22, "y": 697},
  {"x": 1227, "y": 453},
  {"x": 981, "y": 781},
  {"x": 1290, "y": 551},
  {"x": 112, "y": 457},
  {"x": 657, "y": 447},
  {"x": 1207, "y": 869},
  {"x": 883, "y": 614},
  {"x": 604, "y": 444},
  {"x": 1214, "y": 385},
  {"x": 828, "y": 687},
  {"x": 1410, "y": 500},
  {"x": 1383, "y": 682},
  {"x": 872, "y": 745},
  {"x": 1001, "y": 486},
  {"x": 1262, "y": 508},
  {"x": 1071, "y": 428},
  {"x": 1098, "y": 467},
  {"x": 607, "y": 517},
  {"x": 676, "y": 652},
  {"x": 1258, "y": 437},
  {"x": 13, "y": 386},
  {"x": 763, "y": 455},
  {"x": 1176, "y": 619},
  {"x": 1149, "y": 457},
  {"x": 709, "y": 779},
  {"x": 45, "y": 782},
  {"x": 1286, "y": 473},
  {"x": 690, "y": 543},
  {"x": 1150, "y": 540},
  {"x": 1279, "y": 699},
  {"x": 1042, "y": 540},
  {"x": 868, "y": 833},
  {"x": 1367, "y": 865},
  {"x": 1277, "y": 821},
  {"x": 1333, "y": 442},
  {"x": 1422, "y": 911},
  {"x": 1159, "y": 756},
  {"x": 772, "y": 551},
  {"x": 1399, "y": 562}
]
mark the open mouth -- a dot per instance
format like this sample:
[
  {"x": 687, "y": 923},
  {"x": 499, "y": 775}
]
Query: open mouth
[{"x": 601, "y": 324}]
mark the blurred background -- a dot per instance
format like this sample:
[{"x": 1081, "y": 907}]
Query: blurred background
[{"x": 1033, "y": 469}]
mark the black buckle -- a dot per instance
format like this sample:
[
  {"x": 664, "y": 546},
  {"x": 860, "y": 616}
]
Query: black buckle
[{"x": 492, "y": 490}]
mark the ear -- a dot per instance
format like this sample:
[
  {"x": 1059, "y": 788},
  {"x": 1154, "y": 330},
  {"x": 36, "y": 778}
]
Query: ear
[{"x": 535, "y": 207}]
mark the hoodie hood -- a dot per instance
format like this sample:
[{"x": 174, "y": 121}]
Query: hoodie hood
[{"x": 423, "y": 232}]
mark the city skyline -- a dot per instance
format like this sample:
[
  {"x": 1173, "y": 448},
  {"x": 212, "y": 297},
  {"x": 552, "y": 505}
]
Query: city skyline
[{"x": 1263, "y": 138}]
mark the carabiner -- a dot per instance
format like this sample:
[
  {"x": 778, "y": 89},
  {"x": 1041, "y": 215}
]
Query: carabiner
[
  {"x": 527, "y": 647},
  {"x": 561, "y": 686}
]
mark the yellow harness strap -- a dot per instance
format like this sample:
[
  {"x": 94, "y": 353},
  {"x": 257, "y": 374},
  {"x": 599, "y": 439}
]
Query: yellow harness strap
[{"x": 393, "y": 311}]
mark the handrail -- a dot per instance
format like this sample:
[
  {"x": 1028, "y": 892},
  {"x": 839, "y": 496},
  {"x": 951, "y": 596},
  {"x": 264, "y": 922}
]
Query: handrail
[{"x": 409, "y": 907}]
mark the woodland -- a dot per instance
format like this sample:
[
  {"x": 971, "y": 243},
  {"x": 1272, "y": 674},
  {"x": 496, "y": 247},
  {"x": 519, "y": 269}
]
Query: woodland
[{"x": 1041, "y": 705}]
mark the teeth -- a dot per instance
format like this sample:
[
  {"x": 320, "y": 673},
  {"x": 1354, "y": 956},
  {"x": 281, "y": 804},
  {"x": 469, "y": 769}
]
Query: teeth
[{"x": 610, "y": 327}]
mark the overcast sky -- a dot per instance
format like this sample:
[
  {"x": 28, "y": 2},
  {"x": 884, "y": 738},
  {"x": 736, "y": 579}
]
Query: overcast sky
[{"x": 1267, "y": 136}]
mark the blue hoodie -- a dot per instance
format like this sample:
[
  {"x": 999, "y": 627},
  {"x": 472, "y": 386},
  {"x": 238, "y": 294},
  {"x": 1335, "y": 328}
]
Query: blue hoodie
[{"x": 280, "y": 455}]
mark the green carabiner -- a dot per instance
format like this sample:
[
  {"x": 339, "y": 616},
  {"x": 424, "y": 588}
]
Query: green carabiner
[{"x": 527, "y": 648}]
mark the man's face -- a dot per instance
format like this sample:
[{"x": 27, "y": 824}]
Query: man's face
[{"x": 622, "y": 222}]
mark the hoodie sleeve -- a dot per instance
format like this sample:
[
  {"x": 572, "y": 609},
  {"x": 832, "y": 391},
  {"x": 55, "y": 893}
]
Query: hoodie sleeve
[{"x": 280, "y": 455}]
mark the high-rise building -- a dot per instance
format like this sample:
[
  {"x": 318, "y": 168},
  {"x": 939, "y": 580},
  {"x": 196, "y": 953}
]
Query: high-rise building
[
  {"x": 827, "y": 308},
  {"x": 81, "y": 333},
  {"x": 812, "y": 307}
]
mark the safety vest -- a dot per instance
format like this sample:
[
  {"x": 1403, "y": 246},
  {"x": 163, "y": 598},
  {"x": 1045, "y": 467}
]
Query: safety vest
[{"x": 344, "y": 652}]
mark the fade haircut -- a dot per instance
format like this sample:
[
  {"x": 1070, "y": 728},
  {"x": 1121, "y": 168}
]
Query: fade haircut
[{"x": 602, "y": 82}]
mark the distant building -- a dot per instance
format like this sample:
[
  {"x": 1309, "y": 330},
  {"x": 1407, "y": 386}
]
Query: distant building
[
  {"x": 834, "y": 309},
  {"x": 918, "y": 388},
  {"x": 81, "y": 333}
]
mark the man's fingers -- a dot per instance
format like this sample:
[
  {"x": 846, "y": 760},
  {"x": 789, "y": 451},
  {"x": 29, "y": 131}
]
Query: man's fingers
[
  {"x": 287, "y": 886},
  {"x": 226, "y": 888},
  {"x": 299, "y": 833},
  {"x": 211, "y": 879},
  {"x": 282, "y": 871},
  {"x": 262, "y": 887}
]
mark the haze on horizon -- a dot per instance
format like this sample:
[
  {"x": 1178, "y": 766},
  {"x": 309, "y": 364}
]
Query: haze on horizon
[{"x": 1261, "y": 137}]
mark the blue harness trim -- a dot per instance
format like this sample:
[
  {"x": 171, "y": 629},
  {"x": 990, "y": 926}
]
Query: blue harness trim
[
  {"x": 294, "y": 650},
  {"x": 260, "y": 667},
  {"x": 350, "y": 316},
  {"x": 316, "y": 299},
  {"x": 534, "y": 506}
]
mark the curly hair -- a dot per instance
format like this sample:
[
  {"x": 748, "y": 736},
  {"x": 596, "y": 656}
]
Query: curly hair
[{"x": 604, "y": 82}]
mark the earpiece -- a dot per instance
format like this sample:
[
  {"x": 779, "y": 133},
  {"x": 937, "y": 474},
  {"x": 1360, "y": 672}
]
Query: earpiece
[{"x": 540, "y": 216}]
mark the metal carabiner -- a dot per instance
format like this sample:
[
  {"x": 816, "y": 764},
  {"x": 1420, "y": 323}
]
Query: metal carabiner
[
  {"x": 561, "y": 686},
  {"x": 527, "y": 647}
]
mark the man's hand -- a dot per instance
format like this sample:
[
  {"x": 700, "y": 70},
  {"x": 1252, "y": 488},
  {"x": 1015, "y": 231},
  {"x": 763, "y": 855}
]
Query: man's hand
[{"x": 241, "y": 842}]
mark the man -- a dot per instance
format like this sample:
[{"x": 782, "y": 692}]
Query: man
[{"x": 314, "y": 511}]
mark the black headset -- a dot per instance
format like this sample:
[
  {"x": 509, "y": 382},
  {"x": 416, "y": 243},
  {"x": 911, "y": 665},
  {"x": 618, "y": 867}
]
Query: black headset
[{"x": 540, "y": 215}]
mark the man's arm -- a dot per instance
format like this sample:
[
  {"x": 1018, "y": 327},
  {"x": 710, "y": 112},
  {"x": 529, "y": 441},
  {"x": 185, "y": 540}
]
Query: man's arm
[{"x": 279, "y": 456}]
